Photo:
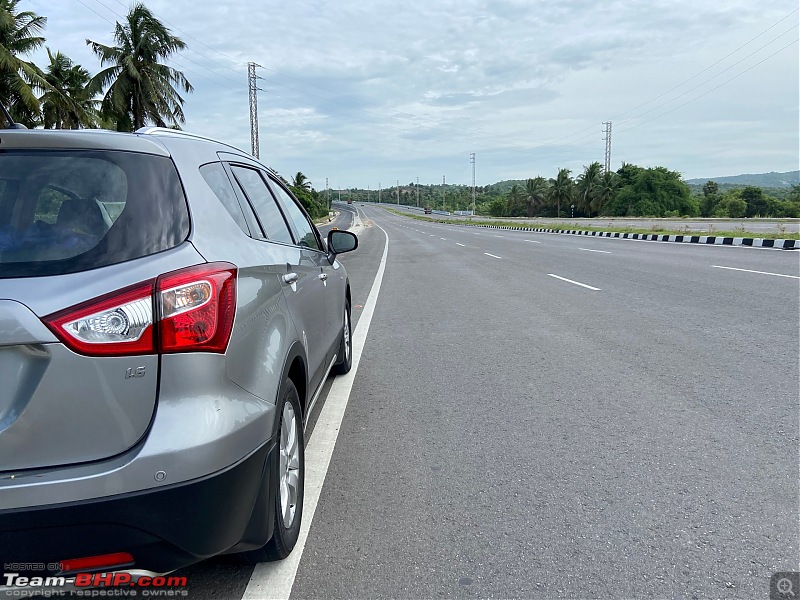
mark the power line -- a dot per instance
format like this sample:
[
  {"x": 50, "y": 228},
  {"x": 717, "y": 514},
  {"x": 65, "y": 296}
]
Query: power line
[
  {"x": 702, "y": 83},
  {"x": 712, "y": 89},
  {"x": 747, "y": 43}
]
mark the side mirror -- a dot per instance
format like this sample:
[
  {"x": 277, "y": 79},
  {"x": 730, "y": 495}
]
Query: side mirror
[{"x": 341, "y": 241}]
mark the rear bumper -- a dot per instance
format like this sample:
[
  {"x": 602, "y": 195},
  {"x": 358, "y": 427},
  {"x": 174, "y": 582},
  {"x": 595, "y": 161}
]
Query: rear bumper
[{"x": 164, "y": 529}]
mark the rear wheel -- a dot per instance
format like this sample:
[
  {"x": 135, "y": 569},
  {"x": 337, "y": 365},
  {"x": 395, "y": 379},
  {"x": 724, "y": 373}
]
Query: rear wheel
[
  {"x": 288, "y": 479},
  {"x": 345, "y": 360}
]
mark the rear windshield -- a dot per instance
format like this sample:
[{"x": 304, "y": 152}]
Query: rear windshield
[{"x": 69, "y": 211}]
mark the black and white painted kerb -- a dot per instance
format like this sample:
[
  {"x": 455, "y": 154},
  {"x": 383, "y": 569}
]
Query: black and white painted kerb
[{"x": 654, "y": 237}]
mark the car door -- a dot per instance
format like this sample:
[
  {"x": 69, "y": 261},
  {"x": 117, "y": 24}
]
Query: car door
[
  {"x": 331, "y": 275},
  {"x": 304, "y": 290}
]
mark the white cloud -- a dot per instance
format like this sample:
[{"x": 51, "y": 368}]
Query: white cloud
[{"x": 363, "y": 92}]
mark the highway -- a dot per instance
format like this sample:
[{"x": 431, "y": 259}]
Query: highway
[{"x": 550, "y": 416}]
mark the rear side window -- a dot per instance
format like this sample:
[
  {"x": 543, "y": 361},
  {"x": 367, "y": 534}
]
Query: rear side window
[
  {"x": 70, "y": 211},
  {"x": 217, "y": 180},
  {"x": 269, "y": 215}
]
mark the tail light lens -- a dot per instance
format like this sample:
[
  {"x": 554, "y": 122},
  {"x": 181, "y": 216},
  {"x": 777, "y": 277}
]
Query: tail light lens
[
  {"x": 190, "y": 310},
  {"x": 117, "y": 324},
  {"x": 197, "y": 306}
]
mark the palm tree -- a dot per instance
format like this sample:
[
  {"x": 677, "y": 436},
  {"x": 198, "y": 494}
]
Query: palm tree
[
  {"x": 301, "y": 182},
  {"x": 18, "y": 78},
  {"x": 535, "y": 193},
  {"x": 514, "y": 201},
  {"x": 561, "y": 189},
  {"x": 586, "y": 185},
  {"x": 606, "y": 189},
  {"x": 67, "y": 103},
  {"x": 139, "y": 89}
]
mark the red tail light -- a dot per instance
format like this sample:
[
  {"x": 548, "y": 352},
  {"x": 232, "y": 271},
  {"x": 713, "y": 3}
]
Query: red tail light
[
  {"x": 197, "y": 306},
  {"x": 190, "y": 310}
]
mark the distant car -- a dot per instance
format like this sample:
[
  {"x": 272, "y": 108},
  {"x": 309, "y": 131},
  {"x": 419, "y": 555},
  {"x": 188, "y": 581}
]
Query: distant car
[
  {"x": 428, "y": 210},
  {"x": 168, "y": 315}
]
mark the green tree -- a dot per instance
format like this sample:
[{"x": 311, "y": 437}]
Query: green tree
[
  {"x": 67, "y": 104},
  {"x": 535, "y": 194},
  {"x": 730, "y": 205},
  {"x": 515, "y": 202},
  {"x": 653, "y": 193},
  {"x": 300, "y": 181},
  {"x": 606, "y": 190},
  {"x": 138, "y": 88},
  {"x": 561, "y": 190},
  {"x": 756, "y": 203},
  {"x": 498, "y": 207},
  {"x": 586, "y": 186},
  {"x": 19, "y": 36},
  {"x": 710, "y": 198}
]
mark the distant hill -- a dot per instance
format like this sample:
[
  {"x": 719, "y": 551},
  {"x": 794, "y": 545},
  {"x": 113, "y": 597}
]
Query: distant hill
[{"x": 766, "y": 180}]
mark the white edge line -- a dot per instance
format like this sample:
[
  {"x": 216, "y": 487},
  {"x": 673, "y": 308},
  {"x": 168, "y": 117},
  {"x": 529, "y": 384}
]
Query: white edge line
[
  {"x": 759, "y": 272},
  {"x": 492, "y": 255},
  {"x": 575, "y": 282},
  {"x": 275, "y": 579},
  {"x": 590, "y": 250}
]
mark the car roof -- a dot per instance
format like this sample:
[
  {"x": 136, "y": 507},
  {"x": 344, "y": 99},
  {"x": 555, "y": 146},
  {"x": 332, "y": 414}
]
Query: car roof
[
  {"x": 149, "y": 140},
  {"x": 100, "y": 139}
]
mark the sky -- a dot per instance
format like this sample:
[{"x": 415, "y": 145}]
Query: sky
[{"x": 366, "y": 93}]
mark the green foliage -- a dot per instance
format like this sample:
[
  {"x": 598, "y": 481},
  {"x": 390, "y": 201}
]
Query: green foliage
[
  {"x": 311, "y": 201},
  {"x": 586, "y": 187},
  {"x": 535, "y": 195},
  {"x": 652, "y": 193},
  {"x": 755, "y": 200},
  {"x": 19, "y": 78},
  {"x": 498, "y": 208},
  {"x": 301, "y": 181},
  {"x": 139, "y": 88},
  {"x": 561, "y": 190},
  {"x": 67, "y": 103}
]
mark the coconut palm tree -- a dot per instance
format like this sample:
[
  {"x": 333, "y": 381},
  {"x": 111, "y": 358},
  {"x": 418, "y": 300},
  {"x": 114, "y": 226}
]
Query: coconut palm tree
[
  {"x": 67, "y": 104},
  {"x": 138, "y": 88},
  {"x": 19, "y": 78},
  {"x": 586, "y": 186},
  {"x": 514, "y": 201},
  {"x": 561, "y": 189},
  {"x": 301, "y": 182},
  {"x": 606, "y": 189},
  {"x": 535, "y": 194}
]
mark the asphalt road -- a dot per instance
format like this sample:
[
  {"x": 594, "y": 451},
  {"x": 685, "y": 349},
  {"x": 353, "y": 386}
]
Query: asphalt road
[
  {"x": 550, "y": 416},
  {"x": 761, "y": 226}
]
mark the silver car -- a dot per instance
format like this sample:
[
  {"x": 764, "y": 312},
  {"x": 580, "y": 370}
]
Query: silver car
[{"x": 168, "y": 316}]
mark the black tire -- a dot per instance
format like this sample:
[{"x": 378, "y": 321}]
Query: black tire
[
  {"x": 345, "y": 360},
  {"x": 284, "y": 538}
]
